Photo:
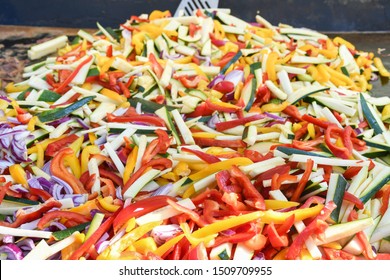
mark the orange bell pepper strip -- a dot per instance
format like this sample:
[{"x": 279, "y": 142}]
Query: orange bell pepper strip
[{"x": 59, "y": 170}]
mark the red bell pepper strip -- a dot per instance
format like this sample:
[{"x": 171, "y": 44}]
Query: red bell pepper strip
[
  {"x": 353, "y": 199},
  {"x": 202, "y": 155},
  {"x": 69, "y": 79},
  {"x": 44, "y": 195},
  {"x": 307, "y": 145},
  {"x": 104, "y": 227},
  {"x": 255, "y": 156},
  {"x": 157, "y": 146},
  {"x": 301, "y": 132},
  {"x": 190, "y": 82},
  {"x": 190, "y": 213},
  {"x": 54, "y": 147},
  {"x": 151, "y": 120},
  {"x": 109, "y": 51},
  {"x": 385, "y": 194},
  {"x": 335, "y": 254},
  {"x": 225, "y": 59},
  {"x": 293, "y": 112},
  {"x": 208, "y": 193},
  {"x": 108, "y": 189},
  {"x": 209, "y": 142},
  {"x": 341, "y": 152},
  {"x": 59, "y": 170},
  {"x": 25, "y": 216},
  {"x": 139, "y": 208},
  {"x": 161, "y": 163},
  {"x": 302, "y": 183},
  {"x": 315, "y": 121},
  {"x": 156, "y": 67},
  {"x": 233, "y": 123},
  {"x": 60, "y": 214},
  {"x": 125, "y": 90},
  {"x": 277, "y": 240},
  {"x": 249, "y": 191},
  {"x": 201, "y": 110},
  {"x": 3, "y": 189},
  {"x": 110, "y": 175},
  {"x": 286, "y": 226},
  {"x": 317, "y": 226}
]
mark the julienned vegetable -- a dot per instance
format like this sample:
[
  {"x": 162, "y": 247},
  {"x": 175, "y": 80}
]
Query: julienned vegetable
[{"x": 201, "y": 137}]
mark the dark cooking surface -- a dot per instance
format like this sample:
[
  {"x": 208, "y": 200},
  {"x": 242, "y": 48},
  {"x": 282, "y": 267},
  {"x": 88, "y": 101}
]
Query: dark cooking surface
[{"x": 16, "y": 40}]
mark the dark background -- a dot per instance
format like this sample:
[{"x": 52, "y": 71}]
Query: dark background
[{"x": 326, "y": 15}]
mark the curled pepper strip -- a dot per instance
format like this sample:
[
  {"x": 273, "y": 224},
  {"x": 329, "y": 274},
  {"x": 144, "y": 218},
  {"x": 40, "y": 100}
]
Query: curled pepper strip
[
  {"x": 60, "y": 214},
  {"x": 25, "y": 216},
  {"x": 59, "y": 170},
  {"x": 341, "y": 152}
]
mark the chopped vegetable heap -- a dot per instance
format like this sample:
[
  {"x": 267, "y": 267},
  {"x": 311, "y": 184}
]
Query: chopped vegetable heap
[{"x": 200, "y": 137}]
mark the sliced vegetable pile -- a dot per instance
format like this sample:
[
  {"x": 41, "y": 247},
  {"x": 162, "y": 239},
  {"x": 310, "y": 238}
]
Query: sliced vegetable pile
[{"x": 201, "y": 137}]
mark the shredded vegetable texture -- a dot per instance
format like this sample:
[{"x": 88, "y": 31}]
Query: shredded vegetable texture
[{"x": 201, "y": 137}]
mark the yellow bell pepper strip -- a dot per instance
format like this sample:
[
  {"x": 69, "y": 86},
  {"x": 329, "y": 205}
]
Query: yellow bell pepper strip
[
  {"x": 68, "y": 251},
  {"x": 195, "y": 240},
  {"x": 130, "y": 164},
  {"x": 85, "y": 154},
  {"x": 104, "y": 227},
  {"x": 157, "y": 14},
  {"x": 11, "y": 87},
  {"x": 222, "y": 165},
  {"x": 145, "y": 245},
  {"x": 73, "y": 162},
  {"x": 279, "y": 204},
  {"x": 381, "y": 68},
  {"x": 86, "y": 208},
  {"x": 160, "y": 251},
  {"x": 18, "y": 174},
  {"x": 40, "y": 155},
  {"x": 271, "y": 60},
  {"x": 106, "y": 204},
  {"x": 227, "y": 223},
  {"x": 129, "y": 238},
  {"x": 76, "y": 145},
  {"x": 59, "y": 170}
]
